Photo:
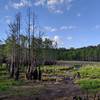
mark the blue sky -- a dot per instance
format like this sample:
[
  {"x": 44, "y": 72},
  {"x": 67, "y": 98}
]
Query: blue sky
[{"x": 72, "y": 23}]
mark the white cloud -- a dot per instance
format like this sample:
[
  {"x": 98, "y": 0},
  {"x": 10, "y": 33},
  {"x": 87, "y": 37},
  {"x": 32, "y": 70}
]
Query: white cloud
[
  {"x": 59, "y": 11},
  {"x": 72, "y": 27},
  {"x": 21, "y": 4},
  {"x": 68, "y": 4},
  {"x": 59, "y": 6},
  {"x": 62, "y": 28},
  {"x": 39, "y": 2},
  {"x": 57, "y": 39},
  {"x": 45, "y": 37},
  {"x": 49, "y": 29},
  {"x": 56, "y": 6},
  {"x": 54, "y": 2},
  {"x": 55, "y": 9}
]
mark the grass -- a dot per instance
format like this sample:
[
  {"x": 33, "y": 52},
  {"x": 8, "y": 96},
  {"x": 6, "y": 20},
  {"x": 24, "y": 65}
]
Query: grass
[
  {"x": 90, "y": 84},
  {"x": 91, "y": 72},
  {"x": 6, "y": 84},
  {"x": 53, "y": 68},
  {"x": 50, "y": 73},
  {"x": 90, "y": 78}
]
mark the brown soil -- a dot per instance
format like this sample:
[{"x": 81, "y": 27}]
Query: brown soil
[{"x": 43, "y": 91}]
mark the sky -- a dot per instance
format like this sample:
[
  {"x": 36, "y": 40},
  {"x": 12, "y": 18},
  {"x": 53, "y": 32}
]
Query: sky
[{"x": 72, "y": 23}]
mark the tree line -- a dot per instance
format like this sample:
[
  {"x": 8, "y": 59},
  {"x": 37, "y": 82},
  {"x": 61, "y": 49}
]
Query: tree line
[
  {"x": 48, "y": 53},
  {"x": 90, "y": 53}
]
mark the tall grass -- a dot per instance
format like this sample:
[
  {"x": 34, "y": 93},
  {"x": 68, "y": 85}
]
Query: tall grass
[{"x": 91, "y": 72}]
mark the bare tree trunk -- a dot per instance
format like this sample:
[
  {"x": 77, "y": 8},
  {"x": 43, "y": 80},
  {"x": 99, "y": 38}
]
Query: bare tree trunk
[
  {"x": 29, "y": 46},
  {"x": 18, "y": 48},
  {"x": 94, "y": 96},
  {"x": 12, "y": 69},
  {"x": 87, "y": 95}
]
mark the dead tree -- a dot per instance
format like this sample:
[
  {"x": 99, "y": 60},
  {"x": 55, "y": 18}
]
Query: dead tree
[
  {"x": 15, "y": 45},
  {"x": 18, "y": 60},
  {"x": 29, "y": 46},
  {"x": 12, "y": 27}
]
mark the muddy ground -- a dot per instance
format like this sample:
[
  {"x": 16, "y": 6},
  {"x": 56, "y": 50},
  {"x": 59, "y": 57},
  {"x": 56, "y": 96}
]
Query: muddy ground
[{"x": 43, "y": 91}]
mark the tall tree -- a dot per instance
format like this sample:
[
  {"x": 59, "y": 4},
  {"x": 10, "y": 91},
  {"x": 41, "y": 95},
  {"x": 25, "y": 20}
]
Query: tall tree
[{"x": 13, "y": 42}]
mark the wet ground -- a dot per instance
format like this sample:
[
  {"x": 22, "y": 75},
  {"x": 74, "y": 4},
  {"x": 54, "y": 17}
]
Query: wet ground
[{"x": 43, "y": 91}]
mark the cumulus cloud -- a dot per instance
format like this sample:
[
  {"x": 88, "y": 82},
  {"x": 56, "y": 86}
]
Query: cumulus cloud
[
  {"x": 49, "y": 29},
  {"x": 67, "y": 28},
  {"x": 21, "y": 4},
  {"x": 72, "y": 27},
  {"x": 45, "y": 37},
  {"x": 39, "y": 2},
  {"x": 57, "y": 39},
  {"x": 55, "y": 10},
  {"x": 58, "y": 11},
  {"x": 31, "y": 28},
  {"x": 56, "y": 6},
  {"x": 61, "y": 28},
  {"x": 54, "y": 2}
]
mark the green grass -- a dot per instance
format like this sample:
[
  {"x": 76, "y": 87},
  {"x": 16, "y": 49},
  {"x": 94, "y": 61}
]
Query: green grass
[
  {"x": 91, "y": 72},
  {"x": 6, "y": 84},
  {"x": 54, "y": 67},
  {"x": 89, "y": 84},
  {"x": 90, "y": 78},
  {"x": 53, "y": 71}
]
